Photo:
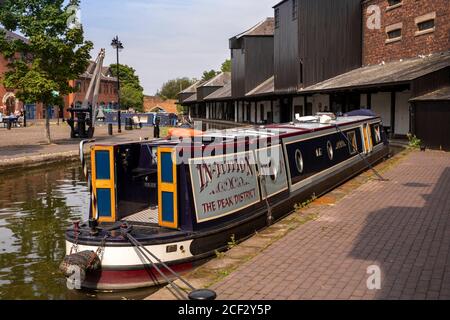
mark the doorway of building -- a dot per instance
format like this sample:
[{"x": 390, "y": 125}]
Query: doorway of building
[
  {"x": 285, "y": 109},
  {"x": 9, "y": 100},
  {"x": 345, "y": 102}
]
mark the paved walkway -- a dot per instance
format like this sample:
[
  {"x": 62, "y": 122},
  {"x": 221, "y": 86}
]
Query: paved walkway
[
  {"x": 402, "y": 226},
  {"x": 26, "y": 146}
]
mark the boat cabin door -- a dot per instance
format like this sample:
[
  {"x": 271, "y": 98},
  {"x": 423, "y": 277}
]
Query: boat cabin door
[
  {"x": 367, "y": 135},
  {"x": 167, "y": 188}
]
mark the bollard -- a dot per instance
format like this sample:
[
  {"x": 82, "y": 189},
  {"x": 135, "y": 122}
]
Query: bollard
[
  {"x": 128, "y": 124},
  {"x": 110, "y": 129},
  {"x": 8, "y": 125},
  {"x": 119, "y": 122},
  {"x": 202, "y": 295}
]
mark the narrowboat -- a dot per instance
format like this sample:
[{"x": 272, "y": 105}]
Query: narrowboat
[{"x": 183, "y": 199}]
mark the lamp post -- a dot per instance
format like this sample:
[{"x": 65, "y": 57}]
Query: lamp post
[{"x": 117, "y": 44}]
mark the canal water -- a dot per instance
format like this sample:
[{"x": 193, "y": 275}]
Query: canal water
[{"x": 36, "y": 206}]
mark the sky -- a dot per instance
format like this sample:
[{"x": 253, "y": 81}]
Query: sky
[{"x": 167, "y": 39}]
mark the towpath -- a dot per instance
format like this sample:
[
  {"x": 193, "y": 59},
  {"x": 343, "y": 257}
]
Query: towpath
[
  {"x": 24, "y": 147},
  {"x": 399, "y": 227}
]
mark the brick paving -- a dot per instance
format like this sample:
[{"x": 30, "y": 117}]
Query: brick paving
[
  {"x": 402, "y": 226},
  {"x": 26, "y": 145}
]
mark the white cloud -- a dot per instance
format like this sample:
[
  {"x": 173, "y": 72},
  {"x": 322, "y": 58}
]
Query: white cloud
[{"x": 165, "y": 39}]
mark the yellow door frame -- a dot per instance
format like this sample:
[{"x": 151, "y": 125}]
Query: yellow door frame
[
  {"x": 167, "y": 187},
  {"x": 104, "y": 184}
]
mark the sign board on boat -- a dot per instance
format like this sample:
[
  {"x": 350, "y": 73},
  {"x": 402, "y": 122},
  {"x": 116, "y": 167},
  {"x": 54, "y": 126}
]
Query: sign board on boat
[{"x": 224, "y": 184}]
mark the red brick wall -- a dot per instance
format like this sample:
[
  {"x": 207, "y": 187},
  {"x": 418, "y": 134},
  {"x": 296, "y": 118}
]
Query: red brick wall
[
  {"x": 375, "y": 50},
  {"x": 107, "y": 94},
  {"x": 3, "y": 90},
  {"x": 3, "y": 69}
]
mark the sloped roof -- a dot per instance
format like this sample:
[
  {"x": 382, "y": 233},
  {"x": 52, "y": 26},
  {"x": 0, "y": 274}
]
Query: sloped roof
[
  {"x": 265, "y": 88},
  {"x": 402, "y": 71},
  {"x": 218, "y": 81},
  {"x": 13, "y": 36},
  {"x": 221, "y": 94},
  {"x": 279, "y": 3},
  {"x": 192, "y": 98},
  {"x": 192, "y": 88},
  {"x": 438, "y": 95},
  {"x": 263, "y": 28},
  {"x": 106, "y": 72}
]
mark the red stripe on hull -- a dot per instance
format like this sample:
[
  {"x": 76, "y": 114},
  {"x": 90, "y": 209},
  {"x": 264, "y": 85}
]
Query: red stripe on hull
[{"x": 131, "y": 279}]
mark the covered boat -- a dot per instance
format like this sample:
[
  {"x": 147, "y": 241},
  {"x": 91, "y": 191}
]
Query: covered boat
[{"x": 183, "y": 199}]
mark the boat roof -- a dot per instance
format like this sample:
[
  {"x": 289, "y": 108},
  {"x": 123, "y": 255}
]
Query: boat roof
[
  {"x": 267, "y": 131},
  {"x": 298, "y": 127}
]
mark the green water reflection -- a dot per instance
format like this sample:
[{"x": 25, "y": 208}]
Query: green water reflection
[{"x": 35, "y": 209}]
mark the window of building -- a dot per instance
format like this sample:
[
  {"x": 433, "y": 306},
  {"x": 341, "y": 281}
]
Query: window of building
[
  {"x": 394, "y": 32},
  {"x": 392, "y": 4},
  {"x": 294, "y": 9},
  {"x": 78, "y": 86},
  {"x": 277, "y": 17},
  {"x": 425, "y": 24}
]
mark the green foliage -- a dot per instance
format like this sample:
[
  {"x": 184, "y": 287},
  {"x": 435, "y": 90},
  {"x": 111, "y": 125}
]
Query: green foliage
[
  {"x": 172, "y": 88},
  {"x": 131, "y": 91},
  {"x": 54, "y": 54},
  {"x": 414, "y": 142},
  {"x": 226, "y": 66},
  {"x": 131, "y": 97},
  {"x": 208, "y": 75},
  {"x": 232, "y": 243},
  {"x": 306, "y": 203},
  {"x": 182, "y": 109}
]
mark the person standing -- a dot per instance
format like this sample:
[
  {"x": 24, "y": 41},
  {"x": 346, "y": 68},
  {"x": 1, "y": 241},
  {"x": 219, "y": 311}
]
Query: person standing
[{"x": 156, "y": 128}]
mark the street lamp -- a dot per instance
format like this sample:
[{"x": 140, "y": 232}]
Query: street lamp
[{"x": 117, "y": 44}]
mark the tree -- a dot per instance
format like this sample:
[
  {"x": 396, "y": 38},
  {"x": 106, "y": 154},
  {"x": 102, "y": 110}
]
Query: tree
[
  {"x": 131, "y": 92},
  {"x": 131, "y": 97},
  {"x": 208, "y": 75},
  {"x": 56, "y": 52},
  {"x": 226, "y": 66},
  {"x": 172, "y": 88}
]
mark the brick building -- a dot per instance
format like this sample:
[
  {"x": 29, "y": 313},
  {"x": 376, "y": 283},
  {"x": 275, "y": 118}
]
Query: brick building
[
  {"x": 157, "y": 104},
  {"x": 407, "y": 29},
  {"x": 8, "y": 102},
  {"x": 391, "y": 56},
  {"x": 108, "y": 97}
]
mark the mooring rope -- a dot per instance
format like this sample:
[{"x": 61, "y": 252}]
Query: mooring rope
[{"x": 180, "y": 294}]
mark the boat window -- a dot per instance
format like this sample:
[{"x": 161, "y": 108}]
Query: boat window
[
  {"x": 330, "y": 151},
  {"x": 353, "y": 146},
  {"x": 299, "y": 161}
]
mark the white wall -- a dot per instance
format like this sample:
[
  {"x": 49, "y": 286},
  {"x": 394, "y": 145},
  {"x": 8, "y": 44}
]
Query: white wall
[
  {"x": 381, "y": 105},
  {"x": 402, "y": 112},
  {"x": 267, "y": 108},
  {"x": 252, "y": 112},
  {"x": 276, "y": 111}
]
